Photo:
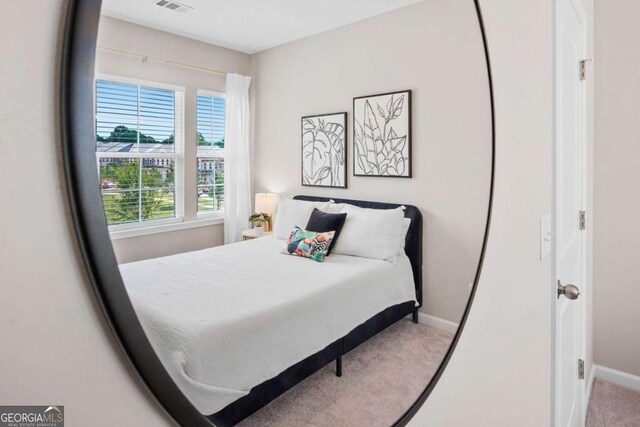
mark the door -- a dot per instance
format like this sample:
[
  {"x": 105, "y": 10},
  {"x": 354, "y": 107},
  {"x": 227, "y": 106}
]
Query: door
[{"x": 570, "y": 150}]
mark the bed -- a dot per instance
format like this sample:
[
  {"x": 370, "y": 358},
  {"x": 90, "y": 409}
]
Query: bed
[{"x": 237, "y": 325}]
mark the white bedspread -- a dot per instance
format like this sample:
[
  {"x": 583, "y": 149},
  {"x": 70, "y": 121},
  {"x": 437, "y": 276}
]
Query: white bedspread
[{"x": 226, "y": 319}]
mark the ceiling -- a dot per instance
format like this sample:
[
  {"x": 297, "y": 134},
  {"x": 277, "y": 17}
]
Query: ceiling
[{"x": 248, "y": 26}]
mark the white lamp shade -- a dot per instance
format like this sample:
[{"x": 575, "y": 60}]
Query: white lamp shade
[{"x": 266, "y": 203}]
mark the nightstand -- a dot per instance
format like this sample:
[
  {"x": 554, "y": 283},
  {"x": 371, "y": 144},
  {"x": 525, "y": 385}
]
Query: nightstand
[{"x": 251, "y": 234}]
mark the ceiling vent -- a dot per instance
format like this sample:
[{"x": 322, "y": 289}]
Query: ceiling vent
[{"x": 173, "y": 5}]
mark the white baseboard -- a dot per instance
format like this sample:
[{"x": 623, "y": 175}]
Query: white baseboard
[
  {"x": 617, "y": 377},
  {"x": 438, "y": 323}
]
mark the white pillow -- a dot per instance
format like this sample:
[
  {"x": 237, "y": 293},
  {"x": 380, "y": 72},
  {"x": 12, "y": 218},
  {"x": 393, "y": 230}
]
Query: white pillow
[
  {"x": 336, "y": 207},
  {"x": 371, "y": 233},
  {"x": 292, "y": 213},
  {"x": 406, "y": 223}
]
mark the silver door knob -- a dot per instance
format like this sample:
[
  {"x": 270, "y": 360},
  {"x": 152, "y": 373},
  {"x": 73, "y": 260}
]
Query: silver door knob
[{"x": 570, "y": 291}]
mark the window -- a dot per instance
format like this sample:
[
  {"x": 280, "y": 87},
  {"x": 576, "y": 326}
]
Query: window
[
  {"x": 138, "y": 150},
  {"x": 210, "y": 152}
]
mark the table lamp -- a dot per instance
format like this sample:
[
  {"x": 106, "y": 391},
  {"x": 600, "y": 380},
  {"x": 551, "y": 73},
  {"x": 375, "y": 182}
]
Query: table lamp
[{"x": 266, "y": 203}]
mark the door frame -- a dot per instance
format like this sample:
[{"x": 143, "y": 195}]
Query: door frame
[{"x": 554, "y": 404}]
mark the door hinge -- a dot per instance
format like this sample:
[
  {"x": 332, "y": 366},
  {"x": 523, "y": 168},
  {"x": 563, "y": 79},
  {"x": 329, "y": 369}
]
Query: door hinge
[
  {"x": 583, "y": 220},
  {"x": 580, "y": 369},
  {"x": 583, "y": 68}
]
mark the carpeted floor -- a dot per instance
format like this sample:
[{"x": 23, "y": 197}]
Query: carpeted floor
[
  {"x": 613, "y": 406},
  {"x": 381, "y": 379}
]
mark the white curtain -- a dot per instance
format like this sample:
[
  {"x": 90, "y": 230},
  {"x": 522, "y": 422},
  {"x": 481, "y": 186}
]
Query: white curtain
[{"x": 237, "y": 164}]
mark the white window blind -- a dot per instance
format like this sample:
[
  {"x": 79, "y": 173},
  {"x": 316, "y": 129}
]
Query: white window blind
[
  {"x": 138, "y": 150},
  {"x": 210, "y": 152}
]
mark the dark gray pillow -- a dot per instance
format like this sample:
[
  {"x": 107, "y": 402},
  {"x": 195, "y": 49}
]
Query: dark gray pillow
[{"x": 321, "y": 222}]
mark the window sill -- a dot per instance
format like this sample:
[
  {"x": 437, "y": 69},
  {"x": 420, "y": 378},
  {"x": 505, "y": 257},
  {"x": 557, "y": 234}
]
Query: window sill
[{"x": 164, "y": 228}]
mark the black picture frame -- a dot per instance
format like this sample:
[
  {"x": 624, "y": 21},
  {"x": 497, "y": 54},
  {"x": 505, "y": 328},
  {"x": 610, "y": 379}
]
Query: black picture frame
[
  {"x": 337, "y": 175},
  {"x": 390, "y": 166},
  {"x": 75, "y": 98}
]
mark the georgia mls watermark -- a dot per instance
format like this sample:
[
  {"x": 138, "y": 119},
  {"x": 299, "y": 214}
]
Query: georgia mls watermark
[{"x": 32, "y": 416}]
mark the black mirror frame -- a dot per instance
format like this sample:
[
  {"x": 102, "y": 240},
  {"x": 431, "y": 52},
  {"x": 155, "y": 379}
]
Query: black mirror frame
[{"x": 77, "y": 80}]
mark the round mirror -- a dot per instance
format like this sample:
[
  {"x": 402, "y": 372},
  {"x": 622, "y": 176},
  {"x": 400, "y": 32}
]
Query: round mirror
[{"x": 282, "y": 205}]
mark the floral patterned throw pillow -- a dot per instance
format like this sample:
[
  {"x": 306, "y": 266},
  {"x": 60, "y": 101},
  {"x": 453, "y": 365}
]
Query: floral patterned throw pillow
[{"x": 308, "y": 244}]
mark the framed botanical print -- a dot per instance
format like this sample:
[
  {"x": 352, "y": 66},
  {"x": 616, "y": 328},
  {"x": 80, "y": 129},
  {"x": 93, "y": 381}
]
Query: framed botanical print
[
  {"x": 324, "y": 150},
  {"x": 382, "y": 135}
]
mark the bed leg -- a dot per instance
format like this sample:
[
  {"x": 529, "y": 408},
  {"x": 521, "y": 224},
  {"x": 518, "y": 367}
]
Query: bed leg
[
  {"x": 415, "y": 316},
  {"x": 339, "y": 366}
]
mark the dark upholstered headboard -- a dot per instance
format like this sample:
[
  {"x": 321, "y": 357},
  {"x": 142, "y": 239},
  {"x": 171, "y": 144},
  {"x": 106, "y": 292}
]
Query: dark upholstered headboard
[{"x": 413, "y": 243}]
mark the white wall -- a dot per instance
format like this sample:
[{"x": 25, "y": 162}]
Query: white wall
[
  {"x": 60, "y": 349},
  {"x": 121, "y": 35},
  {"x": 434, "y": 48},
  {"x": 616, "y": 307},
  {"x": 168, "y": 243},
  {"x": 56, "y": 346},
  {"x": 500, "y": 373}
]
